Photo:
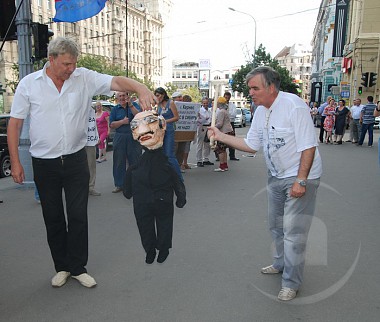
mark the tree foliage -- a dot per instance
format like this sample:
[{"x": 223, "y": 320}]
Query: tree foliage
[{"x": 261, "y": 58}]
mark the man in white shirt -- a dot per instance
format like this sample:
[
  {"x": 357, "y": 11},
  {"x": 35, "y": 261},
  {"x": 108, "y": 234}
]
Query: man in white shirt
[
  {"x": 58, "y": 99},
  {"x": 232, "y": 113},
  {"x": 203, "y": 148},
  {"x": 283, "y": 128},
  {"x": 355, "y": 126}
]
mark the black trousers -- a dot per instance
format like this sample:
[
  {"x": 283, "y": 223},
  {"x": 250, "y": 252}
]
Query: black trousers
[
  {"x": 232, "y": 150},
  {"x": 155, "y": 224},
  {"x": 321, "y": 129},
  {"x": 68, "y": 241}
]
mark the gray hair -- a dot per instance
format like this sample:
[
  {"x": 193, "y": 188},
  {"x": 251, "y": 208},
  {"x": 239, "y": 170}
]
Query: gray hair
[
  {"x": 269, "y": 76},
  {"x": 60, "y": 46}
]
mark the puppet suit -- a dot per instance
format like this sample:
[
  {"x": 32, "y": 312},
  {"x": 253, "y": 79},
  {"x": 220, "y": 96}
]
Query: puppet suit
[{"x": 151, "y": 182}]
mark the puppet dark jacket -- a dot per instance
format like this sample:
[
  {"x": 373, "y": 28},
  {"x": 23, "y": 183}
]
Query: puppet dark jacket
[{"x": 153, "y": 179}]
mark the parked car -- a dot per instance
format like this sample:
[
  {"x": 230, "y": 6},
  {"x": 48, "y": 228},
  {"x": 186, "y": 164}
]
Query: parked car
[
  {"x": 5, "y": 163},
  {"x": 377, "y": 122},
  {"x": 107, "y": 106},
  {"x": 247, "y": 115},
  {"x": 240, "y": 120}
]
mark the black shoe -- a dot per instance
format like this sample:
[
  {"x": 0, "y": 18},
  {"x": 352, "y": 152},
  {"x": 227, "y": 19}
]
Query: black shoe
[
  {"x": 217, "y": 159},
  {"x": 208, "y": 163},
  {"x": 234, "y": 159},
  {"x": 162, "y": 256},
  {"x": 200, "y": 164},
  {"x": 150, "y": 256}
]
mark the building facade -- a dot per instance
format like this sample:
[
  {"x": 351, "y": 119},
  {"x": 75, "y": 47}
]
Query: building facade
[
  {"x": 297, "y": 60},
  {"x": 128, "y": 33},
  {"x": 362, "y": 49},
  {"x": 339, "y": 74}
]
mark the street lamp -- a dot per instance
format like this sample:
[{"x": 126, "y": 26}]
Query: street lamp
[{"x": 254, "y": 20}]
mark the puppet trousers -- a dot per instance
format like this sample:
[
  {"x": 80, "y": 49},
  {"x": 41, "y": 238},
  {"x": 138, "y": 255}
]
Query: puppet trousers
[{"x": 155, "y": 224}]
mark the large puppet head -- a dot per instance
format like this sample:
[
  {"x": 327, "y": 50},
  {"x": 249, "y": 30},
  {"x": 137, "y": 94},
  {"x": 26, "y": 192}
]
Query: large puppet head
[{"x": 149, "y": 129}]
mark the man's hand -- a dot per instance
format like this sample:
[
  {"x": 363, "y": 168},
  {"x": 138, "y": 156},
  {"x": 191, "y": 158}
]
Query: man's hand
[
  {"x": 297, "y": 191},
  {"x": 17, "y": 172},
  {"x": 214, "y": 132}
]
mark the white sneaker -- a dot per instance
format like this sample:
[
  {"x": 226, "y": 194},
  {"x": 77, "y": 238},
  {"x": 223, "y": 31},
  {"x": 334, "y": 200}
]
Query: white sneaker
[
  {"x": 270, "y": 270},
  {"x": 287, "y": 294},
  {"x": 219, "y": 170},
  {"x": 93, "y": 192},
  {"x": 60, "y": 279},
  {"x": 86, "y": 280}
]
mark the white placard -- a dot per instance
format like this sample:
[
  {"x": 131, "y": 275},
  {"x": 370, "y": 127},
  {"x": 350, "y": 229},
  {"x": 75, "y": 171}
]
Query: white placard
[{"x": 188, "y": 115}]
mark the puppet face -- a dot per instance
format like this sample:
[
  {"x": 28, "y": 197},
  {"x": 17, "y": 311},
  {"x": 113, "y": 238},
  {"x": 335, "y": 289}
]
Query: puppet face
[{"x": 149, "y": 129}]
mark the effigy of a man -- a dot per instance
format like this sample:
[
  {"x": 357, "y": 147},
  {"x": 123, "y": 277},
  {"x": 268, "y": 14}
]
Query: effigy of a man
[{"x": 152, "y": 183}]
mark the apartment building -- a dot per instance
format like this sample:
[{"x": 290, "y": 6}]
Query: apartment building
[
  {"x": 297, "y": 60},
  {"x": 128, "y": 33}
]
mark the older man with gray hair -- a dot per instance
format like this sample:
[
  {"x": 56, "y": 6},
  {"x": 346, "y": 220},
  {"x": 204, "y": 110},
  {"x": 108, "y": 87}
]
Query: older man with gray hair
[
  {"x": 283, "y": 128},
  {"x": 58, "y": 97}
]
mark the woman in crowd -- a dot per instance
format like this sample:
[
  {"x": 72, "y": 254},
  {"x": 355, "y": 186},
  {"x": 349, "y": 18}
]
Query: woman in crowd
[
  {"x": 328, "y": 124},
  {"x": 102, "y": 123},
  {"x": 168, "y": 110},
  {"x": 186, "y": 145},
  {"x": 223, "y": 123},
  {"x": 341, "y": 114}
]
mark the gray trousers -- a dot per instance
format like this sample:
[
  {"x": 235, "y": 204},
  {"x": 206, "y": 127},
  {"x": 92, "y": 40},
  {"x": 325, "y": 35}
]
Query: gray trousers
[
  {"x": 289, "y": 223},
  {"x": 91, "y": 159}
]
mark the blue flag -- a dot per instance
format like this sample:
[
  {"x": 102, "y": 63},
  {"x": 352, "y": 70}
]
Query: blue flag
[{"x": 75, "y": 10}]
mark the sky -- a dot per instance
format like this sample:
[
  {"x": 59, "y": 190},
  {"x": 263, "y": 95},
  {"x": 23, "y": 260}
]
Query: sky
[{"x": 207, "y": 29}]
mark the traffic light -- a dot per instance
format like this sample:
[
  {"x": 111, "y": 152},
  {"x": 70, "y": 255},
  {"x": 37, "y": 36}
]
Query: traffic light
[
  {"x": 360, "y": 90},
  {"x": 41, "y": 35},
  {"x": 365, "y": 79},
  {"x": 372, "y": 79},
  {"x": 7, "y": 9}
]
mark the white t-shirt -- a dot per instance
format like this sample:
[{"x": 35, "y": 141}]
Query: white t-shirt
[
  {"x": 58, "y": 121},
  {"x": 284, "y": 131},
  {"x": 92, "y": 130}
]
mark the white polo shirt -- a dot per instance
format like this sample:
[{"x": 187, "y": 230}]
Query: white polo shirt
[
  {"x": 284, "y": 131},
  {"x": 58, "y": 121}
]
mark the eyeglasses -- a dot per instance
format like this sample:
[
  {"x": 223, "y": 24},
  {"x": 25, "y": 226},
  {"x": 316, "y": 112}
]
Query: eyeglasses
[{"x": 146, "y": 120}]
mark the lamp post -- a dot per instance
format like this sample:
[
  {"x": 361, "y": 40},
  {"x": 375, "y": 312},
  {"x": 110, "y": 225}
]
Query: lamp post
[{"x": 254, "y": 20}]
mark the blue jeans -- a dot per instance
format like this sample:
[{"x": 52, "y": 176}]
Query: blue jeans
[
  {"x": 366, "y": 127},
  {"x": 124, "y": 148},
  {"x": 36, "y": 194},
  {"x": 289, "y": 223},
  {"x": 169, "y": 151}
]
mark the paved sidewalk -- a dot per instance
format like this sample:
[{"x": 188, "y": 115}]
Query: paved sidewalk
[{"x": 220, "y": 243}]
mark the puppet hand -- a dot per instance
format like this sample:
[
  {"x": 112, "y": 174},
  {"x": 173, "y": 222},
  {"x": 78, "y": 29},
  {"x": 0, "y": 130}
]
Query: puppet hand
[{"x": 180, "y": 203}]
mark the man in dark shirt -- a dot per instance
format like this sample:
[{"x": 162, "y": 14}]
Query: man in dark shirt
[
  {"x": 124, "y": 147},
  {"x": 367, "y": 121}
]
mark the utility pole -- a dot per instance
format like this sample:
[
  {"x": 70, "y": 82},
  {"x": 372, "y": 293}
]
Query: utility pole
[{"x": 23, "y": 25}]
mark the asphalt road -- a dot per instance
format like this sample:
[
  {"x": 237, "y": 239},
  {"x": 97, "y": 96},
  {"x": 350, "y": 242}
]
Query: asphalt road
[{"x": 220, "y": 243}]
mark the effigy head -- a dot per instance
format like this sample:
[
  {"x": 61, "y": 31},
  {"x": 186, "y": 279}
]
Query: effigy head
[{"x": 149, "y": 129}]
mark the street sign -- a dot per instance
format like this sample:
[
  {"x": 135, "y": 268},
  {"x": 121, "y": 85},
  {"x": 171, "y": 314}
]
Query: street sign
[{"x": 345, "y": 94}]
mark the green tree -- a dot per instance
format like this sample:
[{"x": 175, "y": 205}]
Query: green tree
[
  {"x": 194, "y": 93},
  {"x": 261, "y": 58}
]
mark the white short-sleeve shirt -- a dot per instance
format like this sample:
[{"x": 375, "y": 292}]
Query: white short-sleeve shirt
[
  {"x": 58, "y": 120},
  {"x": 284, "y": 131}
]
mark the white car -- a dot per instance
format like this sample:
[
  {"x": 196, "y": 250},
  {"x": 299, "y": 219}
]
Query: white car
[{"x": 240, "y": 120}]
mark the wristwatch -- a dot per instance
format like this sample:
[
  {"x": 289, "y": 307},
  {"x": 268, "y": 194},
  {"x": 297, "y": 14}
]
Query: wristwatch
[{"x": 302, "y": 183}]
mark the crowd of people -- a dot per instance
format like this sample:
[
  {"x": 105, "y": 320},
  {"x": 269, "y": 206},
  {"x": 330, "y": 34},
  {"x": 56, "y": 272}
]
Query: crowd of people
[{"x": 337, "y": 119}]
